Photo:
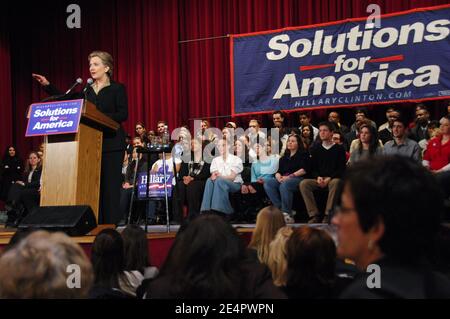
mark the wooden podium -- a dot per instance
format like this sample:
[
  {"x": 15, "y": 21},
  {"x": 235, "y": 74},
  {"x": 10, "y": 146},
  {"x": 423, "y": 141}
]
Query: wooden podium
[{"x": 72, "y": 162}]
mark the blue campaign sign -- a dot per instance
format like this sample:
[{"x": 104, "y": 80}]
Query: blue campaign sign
[
  {"x": 343, "y": 63},
  {"x": 156, "y": 185},
  {"x": 52, "y": 118}
]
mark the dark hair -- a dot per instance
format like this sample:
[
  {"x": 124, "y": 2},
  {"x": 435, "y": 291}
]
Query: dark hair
[
  {"x": 279, "y": 112},
  {"x": 161, "y": 122},
  {"x": 421, "y": 106},
  {"x": 135, "y": 246},
  {"x": 205, "y": 259},
  {"x": 402, "y": 120},
  {"x": 140, "y": 124},
  {"x": 401, "y": 194},
  {"x": 6, "y": 154},
  {"x": 341, "y": 136},
  {"x": 327, "y": 124},
  {"x": 108, "y": 258},
  {"x": 373, "y": 143},
  {"x": 311, "y": 260},
  {"x": 307, "y": 114},
  {"x": 435, "y": 124},
  {"x": 361, "y": 110}
]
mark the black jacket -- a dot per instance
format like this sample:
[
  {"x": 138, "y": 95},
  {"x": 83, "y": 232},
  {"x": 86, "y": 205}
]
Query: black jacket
[
  {"x": 111, "y": 101},
  {"x": 400, "y": 281}
]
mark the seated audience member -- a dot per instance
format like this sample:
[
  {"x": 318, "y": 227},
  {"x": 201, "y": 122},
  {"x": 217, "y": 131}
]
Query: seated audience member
[
  {"x": 192, "y": 179},
  {"x": 307, "y": 139},
  {"x": 225, "y": 179},
  {"x": 268, "y": 221},
  {"x": 255, "y": 135},
  {"x": 389, "y": 216},
  {"x": 277, "y": 261},
  {"x": 327, "y": 167},
  {"x": 279, "y": 134},
  {"x": 39, "y": 267},
  {"x": 24, "y": 195},
  {"x": 386, "y": 124},
  {"x": 141, "y": 132},
  {"x": 311, "y": 265},
  {"x": 108, "y": 261},
  {"x": 334, "y": 117},
  {"x": 241, "y": 151},
  {"x": 305, "y": 120},
  {"x": 129, "y": 182},
  {"x": 11, "y": 171},
  {"x": 253, "y": 197},
  {"x": 385, "y": 135},
  {"x": 420, "y": 130},
  {"x": 433, "y": 131},
  {"x": 401, "y": 145},
  {"x": 367, "y": 145},
  {"x": 361, "y": 115},
  {"x": 338, "y": 138},
  {"x": 172, "y": 167},
  {"x": 208, "y": 260},
  {"x": 137, "y": 261},
  {"x": 293, "y": 166},
  {"x": 437, "y": 155},
  {"x": 160, "y": 128},
  {"x": 206, "y": 135}
]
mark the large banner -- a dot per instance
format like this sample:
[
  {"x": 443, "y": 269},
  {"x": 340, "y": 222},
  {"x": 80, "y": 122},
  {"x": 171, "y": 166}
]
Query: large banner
[{"x": 343, "y": 63}]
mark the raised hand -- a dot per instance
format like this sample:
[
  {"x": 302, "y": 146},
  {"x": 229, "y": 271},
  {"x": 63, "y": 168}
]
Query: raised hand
[{"x": 41, "y": 79}]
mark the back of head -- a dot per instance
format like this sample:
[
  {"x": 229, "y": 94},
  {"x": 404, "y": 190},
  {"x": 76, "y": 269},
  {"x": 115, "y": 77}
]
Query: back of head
[
  {"x": 402, "y": 195},
  {"x": 135, "y": 248},
  {"x": 45, "y": 265},
  {"x": 268, "y": 221},
  {"x": 204, "y": 260},
  {"x": 277, "y": 261},
  {"x": 311, "y": 256},
  {"x": 107, "y": 258}
]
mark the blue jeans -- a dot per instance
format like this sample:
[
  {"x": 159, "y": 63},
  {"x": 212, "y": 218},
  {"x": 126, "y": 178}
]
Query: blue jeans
[
  {"x": 215, "y": 196},
  {"x": 281, "y": 194}
]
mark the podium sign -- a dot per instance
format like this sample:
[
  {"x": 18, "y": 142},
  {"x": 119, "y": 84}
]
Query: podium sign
[
  {"x": 156, "y": 185},
  {"x": 53, "y": 118}
]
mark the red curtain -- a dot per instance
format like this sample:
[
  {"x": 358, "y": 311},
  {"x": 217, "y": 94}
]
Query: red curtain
[{"x": 165, "y": 78}]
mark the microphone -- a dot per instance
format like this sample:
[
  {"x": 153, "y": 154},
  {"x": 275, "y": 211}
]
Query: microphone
[
  {"x": 78, "y": 81},
  {"x": 88, "y": 84}
]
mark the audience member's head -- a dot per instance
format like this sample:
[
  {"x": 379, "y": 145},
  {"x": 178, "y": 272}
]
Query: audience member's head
[
  {"x": 304, "y": 118},
  {"x": 361, "y": 114},
  {"x": 444, "y": 127},
  {"x": 422, "y": 116},
  {"x": 33, "y": 162},
  {"x": 368, "y": 135},
  {"x": 311, "y": 257},
  {"x": 325, "y": 131},
  {"x": 333, "y": 117},
  {"x": 10, "y": 152},
  {"x": 278, "y": 119},
  {"x": 393, "y": 115},
  {"x": 137, "y": 142},
  {"x": 108, "y": 259},
  {"x": 399, "y": 126},
  {"x": 160, "y": 127},
  {"x": 338, "y": 138},
  {"x": 140, "y": 129},
  {"x": 277, "y": 261},
  {"x": 268, "y": 221},
  {"x": 135, "y": 246},
  {"x": 392, "y": 207},
  {"x": 204, "y": 261},
  {"x": 44, "y": 266}
]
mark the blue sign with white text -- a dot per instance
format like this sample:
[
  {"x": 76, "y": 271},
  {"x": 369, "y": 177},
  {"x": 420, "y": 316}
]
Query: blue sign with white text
[
  {"x": 343, "y": 63},
  {"x": 52, "y": 118}
]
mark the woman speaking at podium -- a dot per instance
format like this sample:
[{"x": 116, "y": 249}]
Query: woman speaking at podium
[{"x": 110, "y": 98}]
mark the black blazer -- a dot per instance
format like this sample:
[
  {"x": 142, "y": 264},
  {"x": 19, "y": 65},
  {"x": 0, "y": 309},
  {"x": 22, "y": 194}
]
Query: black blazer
[
  {"x": 111, "y": 101},
  {"x": 35, "y": 179}
]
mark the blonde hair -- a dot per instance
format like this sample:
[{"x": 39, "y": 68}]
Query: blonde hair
[
  {"x": 37, "y": 267},
  {"x": 269, "y": 220},
  {"x": 106, "y": 58},
  {"x": 277, "y": 261}
]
